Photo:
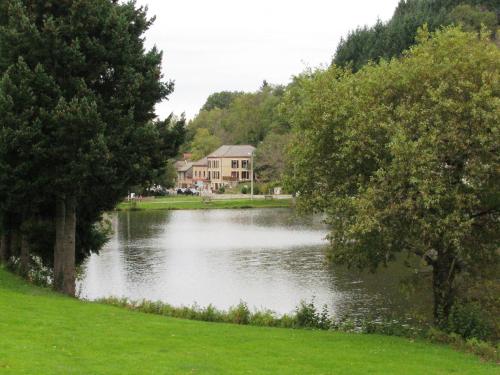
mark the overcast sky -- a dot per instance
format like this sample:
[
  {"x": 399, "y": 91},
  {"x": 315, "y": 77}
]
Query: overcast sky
[{"x": 218, "y": 45}]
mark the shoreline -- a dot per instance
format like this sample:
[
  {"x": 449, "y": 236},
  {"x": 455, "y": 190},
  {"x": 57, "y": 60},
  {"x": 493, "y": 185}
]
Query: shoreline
[
  {"x": 197, "y": 203},
  {"x": 54, "y": 336}
]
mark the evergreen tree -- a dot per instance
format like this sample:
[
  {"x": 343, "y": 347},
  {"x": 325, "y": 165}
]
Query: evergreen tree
[
  {"x": 390, "y": 39},
  {"x": 99, "y": 136}
]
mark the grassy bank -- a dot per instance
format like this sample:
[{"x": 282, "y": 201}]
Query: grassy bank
[
  {"x": 196, "y": 203},
  {"x": 45, "y": 333}
]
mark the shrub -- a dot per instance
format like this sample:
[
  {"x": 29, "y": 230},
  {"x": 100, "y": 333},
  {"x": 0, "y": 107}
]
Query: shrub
[
  {"x": 307, "y": 316},
  {"x": 265, "y": 318},
  {"x": 244, "y": 189},
  {"x": 239, "y": 314},
  {"x": 469, "y": 321},
  {"x": 211, "y": 314},
  {"x": 482, "y": 349},
  {"x": 288, "y": 321}
]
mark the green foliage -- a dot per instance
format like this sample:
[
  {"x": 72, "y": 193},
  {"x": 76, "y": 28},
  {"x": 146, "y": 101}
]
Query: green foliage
[
  {"x": 203, "y": 143},
  {"x": 77, "y": 97},
  {"x": 402, "y": 156},
  {"x": 308, "y": 316},
  {"x": 270, "y": 157},
  {"x": 388, "y": 40},
  {"x": 244, "y": 118},
  {"x": 485, "y": 292},
  {"x": 240, "y": 314},
  {"x": 473, "y": 18},
  {"x": 483, "y": 349},
  {"x": 469, "y": 321},
  {"x": 220, "y": 100}
]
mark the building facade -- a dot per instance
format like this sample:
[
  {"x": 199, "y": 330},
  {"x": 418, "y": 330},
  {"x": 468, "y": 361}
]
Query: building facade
[
  {"x": 200, "y": 174},
  {"x": 184, "y": 173},
  {"x": 226, "y": 166},
  {"x": 230, "y": 165}
]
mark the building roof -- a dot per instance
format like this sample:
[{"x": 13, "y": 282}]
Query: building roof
[
  {"x": 183, "y": 165},
  {"x": 237, "y": 151},
  {"x": 201, "y": 163}
]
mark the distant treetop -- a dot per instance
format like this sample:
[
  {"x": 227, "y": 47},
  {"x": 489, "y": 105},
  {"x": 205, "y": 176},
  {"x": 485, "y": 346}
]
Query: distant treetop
[
  {"x": 221, "y": 100},
  {"x": 390, "y": 39}
]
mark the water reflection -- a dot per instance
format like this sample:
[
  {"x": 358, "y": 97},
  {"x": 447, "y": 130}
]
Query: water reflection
[{"x": 269, "y": 258}]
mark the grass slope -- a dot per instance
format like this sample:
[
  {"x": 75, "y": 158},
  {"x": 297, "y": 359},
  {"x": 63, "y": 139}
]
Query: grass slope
[
  {"x": 45, "y": 333},
  {"x": 196, "y": 203}
]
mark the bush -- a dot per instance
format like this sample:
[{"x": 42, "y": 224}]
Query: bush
[
  {"x": 239, "y": 314},
  {"x": 481, "y": 348},
  {"x": 469, "y": 321},
  {"x": 244, "y": 189},
  {"x": 265, "y": 318},
  {"x": 288, "y": 321},
  {"x": 211, "y": 314},
  {"x": 222, "y": 190},
  {"x": 307, "y": 316}
]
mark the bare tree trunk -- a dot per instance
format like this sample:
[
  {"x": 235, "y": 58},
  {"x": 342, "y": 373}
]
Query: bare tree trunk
[
  {"x": 444, "y": 271},
  {"x": 60, "y": 223},
  {"x": 69, "y": 271},
  {"x": 24, "y": 258},
  {"x": 5, "y": 247},
  {"x": 14, "y": 243}
]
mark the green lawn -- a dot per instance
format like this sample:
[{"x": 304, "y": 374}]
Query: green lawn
[
  {"x": 196, "y": 203},
  {"x": 45, "y": 333}
]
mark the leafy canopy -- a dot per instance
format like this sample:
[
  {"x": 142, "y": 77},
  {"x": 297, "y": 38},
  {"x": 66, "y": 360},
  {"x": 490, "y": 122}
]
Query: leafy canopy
[{"x": 404, "y": 156}]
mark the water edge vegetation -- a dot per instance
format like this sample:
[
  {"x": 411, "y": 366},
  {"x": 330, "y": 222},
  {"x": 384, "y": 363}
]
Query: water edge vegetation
[{"x": 45, "y": 332}]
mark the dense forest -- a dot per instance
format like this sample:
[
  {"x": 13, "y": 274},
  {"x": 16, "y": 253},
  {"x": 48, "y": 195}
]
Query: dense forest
[
  {"x": 390, "y": 39},
  {"x": 259, "y": 118}
]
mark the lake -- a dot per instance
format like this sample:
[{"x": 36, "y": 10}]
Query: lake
[{"x": 269, "y": 258}]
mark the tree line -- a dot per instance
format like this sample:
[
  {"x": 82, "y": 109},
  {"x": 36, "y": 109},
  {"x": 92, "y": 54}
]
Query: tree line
[
  {"x": 386, "y": 40},
  {"x": 77, "y": 126}
]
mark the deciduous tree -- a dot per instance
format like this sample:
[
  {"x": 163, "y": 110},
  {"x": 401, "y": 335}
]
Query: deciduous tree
[{"x": 404, "y": 157}]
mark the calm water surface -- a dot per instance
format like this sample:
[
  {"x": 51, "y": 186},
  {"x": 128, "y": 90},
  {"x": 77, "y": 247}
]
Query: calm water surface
[{"x": 269, "y": 258}]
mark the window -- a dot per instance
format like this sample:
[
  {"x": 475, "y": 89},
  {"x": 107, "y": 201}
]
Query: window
[
  {"x": 235, "y": 164},
  {"x": 245, "y": 175},
  {"x": 204, "y": 174},
  {"x": 244, "y": 164},
  {"x": 234, "y": 175}
]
